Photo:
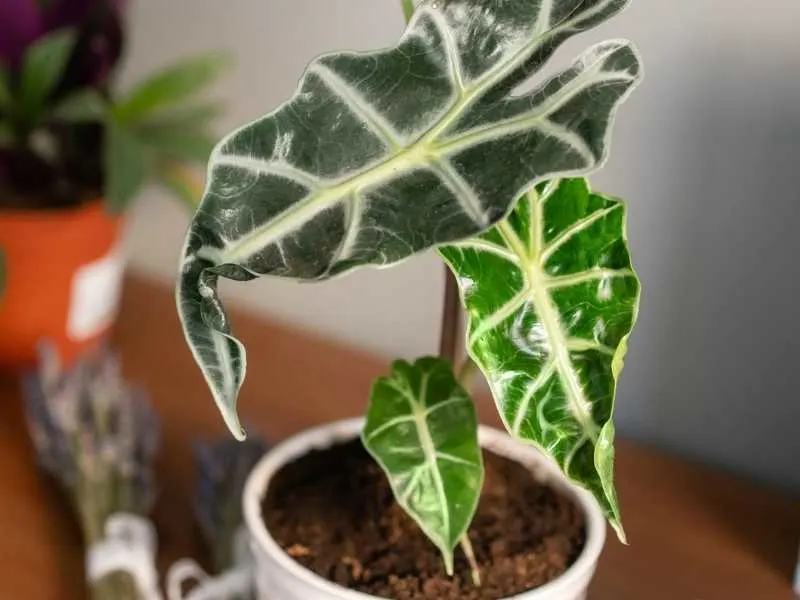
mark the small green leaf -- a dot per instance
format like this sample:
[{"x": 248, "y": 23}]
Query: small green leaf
[
  {"x": 126, "y": 167},
  {"x": 43, "y": 66},
  {"x": 552, "y": 297},
  {"x": 170, "y": 87},
  {"x": 82, "y": 106},
  {"x": 423, "y": 431}
]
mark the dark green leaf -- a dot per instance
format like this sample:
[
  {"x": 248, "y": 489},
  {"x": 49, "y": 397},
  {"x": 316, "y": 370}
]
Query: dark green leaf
[
  {"x": 423, "y": 430},
  {"x": 82, "y": 106},
  {"x": 43, "y": 66},
  {"x": 552, "y": 297},
  {"x": 126, "y": 167},
  {"x": 170, "y": 87},
  {"x": 384, "y": 154}
]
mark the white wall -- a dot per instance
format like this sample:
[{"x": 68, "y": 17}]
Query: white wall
[{"x": 706, "y": 153}]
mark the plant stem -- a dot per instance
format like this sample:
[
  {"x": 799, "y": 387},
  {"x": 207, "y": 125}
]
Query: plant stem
[
  {"x": 451, "y": 311},
  {"x": 469, "y": 552}
]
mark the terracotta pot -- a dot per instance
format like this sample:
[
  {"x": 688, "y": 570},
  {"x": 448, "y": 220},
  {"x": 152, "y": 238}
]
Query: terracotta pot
[
  {"x": 279, "y": 576},
  {"x": 63, "y": 279}
]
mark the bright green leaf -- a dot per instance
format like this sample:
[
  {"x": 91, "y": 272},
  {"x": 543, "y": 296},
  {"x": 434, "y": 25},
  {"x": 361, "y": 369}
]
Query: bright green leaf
[
  {"x": 552, "y": 297},
  {"x": 170, "y": 88},
  {"x": 126, "y": 167},
  {"x": 82, "y": 106},
  {"x": 423, "y": 431},
  {"x": 43, "y": 66},
  {"x": 384, "y": 154}
]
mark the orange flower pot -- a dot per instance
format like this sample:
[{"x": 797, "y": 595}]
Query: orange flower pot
[{"x": 63, "y": 279}]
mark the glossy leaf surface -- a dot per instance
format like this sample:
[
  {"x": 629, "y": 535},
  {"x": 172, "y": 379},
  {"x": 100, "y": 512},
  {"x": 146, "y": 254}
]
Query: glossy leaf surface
[
  {"x": 422, "y": 429},
  {"x": 381, "y": 155},
  {"x": 552, "y": 297}
]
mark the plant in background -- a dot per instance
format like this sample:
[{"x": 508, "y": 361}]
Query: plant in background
[
  {"x": 65, "y": 137},
  {"x": 98, "y": 437},
  {"x": 427, "y": 144}
]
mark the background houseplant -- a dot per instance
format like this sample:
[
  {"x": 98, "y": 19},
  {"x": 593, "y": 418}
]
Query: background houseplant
[
  {"x": 383, "y": 155},
  {"x": 73, "y": 155}
]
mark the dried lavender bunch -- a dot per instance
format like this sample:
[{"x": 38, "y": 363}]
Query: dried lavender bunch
[
  {"x": 98, "y": 437},
  {"x": 222, "y": 469}
]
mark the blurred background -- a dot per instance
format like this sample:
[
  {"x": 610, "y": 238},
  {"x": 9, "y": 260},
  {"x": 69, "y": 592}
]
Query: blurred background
[{"x": 706, "y": 153}]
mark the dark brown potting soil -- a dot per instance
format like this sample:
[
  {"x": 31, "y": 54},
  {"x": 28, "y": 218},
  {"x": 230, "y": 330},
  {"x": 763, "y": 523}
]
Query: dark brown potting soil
[{"x": 334, "y": 513}]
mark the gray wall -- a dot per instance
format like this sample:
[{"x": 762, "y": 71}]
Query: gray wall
[{"x": 706, "y": 153}]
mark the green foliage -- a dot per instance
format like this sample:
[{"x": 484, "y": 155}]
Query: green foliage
[
  {"x": 160, "y": 121},
  {"x": 83, "y": 106},
  {"x": 42, "y": 68},
  {"x": 552, "y": 297},
  {"x": 423, "y": 431},
  {"x": 170, "y": 88},
  {"x": 381, "y": 155},
  {"x": 126, "y": 167}
]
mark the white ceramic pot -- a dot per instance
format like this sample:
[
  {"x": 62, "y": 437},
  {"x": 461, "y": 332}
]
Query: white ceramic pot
[{"x": 279, "y": 577}]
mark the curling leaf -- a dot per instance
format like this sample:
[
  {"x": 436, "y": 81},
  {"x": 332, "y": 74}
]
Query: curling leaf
[
  {"x": 381, "y": 155},
  {"x": 423, "y": 431},
  {"x": 552, "y": 297}
]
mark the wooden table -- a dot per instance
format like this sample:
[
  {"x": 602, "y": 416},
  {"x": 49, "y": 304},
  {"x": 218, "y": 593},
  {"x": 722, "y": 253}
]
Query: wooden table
[{"x": 695, "y": 533}]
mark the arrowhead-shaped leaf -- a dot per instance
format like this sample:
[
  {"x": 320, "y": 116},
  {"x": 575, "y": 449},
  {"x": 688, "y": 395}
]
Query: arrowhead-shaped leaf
[
  {"x": 423, "y": 430},
  {"x": 381, "y": 155},
  {"x": 552, "y": 297}
]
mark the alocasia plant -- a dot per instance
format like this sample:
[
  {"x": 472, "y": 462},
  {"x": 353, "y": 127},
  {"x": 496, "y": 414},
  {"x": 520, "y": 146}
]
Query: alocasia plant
[{"x": 428, "y": 144}]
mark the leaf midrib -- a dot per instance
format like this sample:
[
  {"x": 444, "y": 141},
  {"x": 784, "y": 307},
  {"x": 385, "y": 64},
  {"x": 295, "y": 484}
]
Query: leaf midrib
[{"x": 539, "y": 296}]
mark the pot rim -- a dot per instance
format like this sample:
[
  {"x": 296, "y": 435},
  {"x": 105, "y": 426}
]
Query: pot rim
[{"x": 493, "y": 439}]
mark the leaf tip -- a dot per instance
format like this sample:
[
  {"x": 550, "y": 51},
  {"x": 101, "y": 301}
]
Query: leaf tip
[{"x": 621, "y": 535}]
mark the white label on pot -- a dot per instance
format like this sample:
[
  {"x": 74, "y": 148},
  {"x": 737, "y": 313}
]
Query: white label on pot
[{"x": 95, "y": 295}]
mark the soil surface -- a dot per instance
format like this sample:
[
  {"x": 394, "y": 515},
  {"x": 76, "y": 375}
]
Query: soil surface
[{"x": 333, "y": 512}]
